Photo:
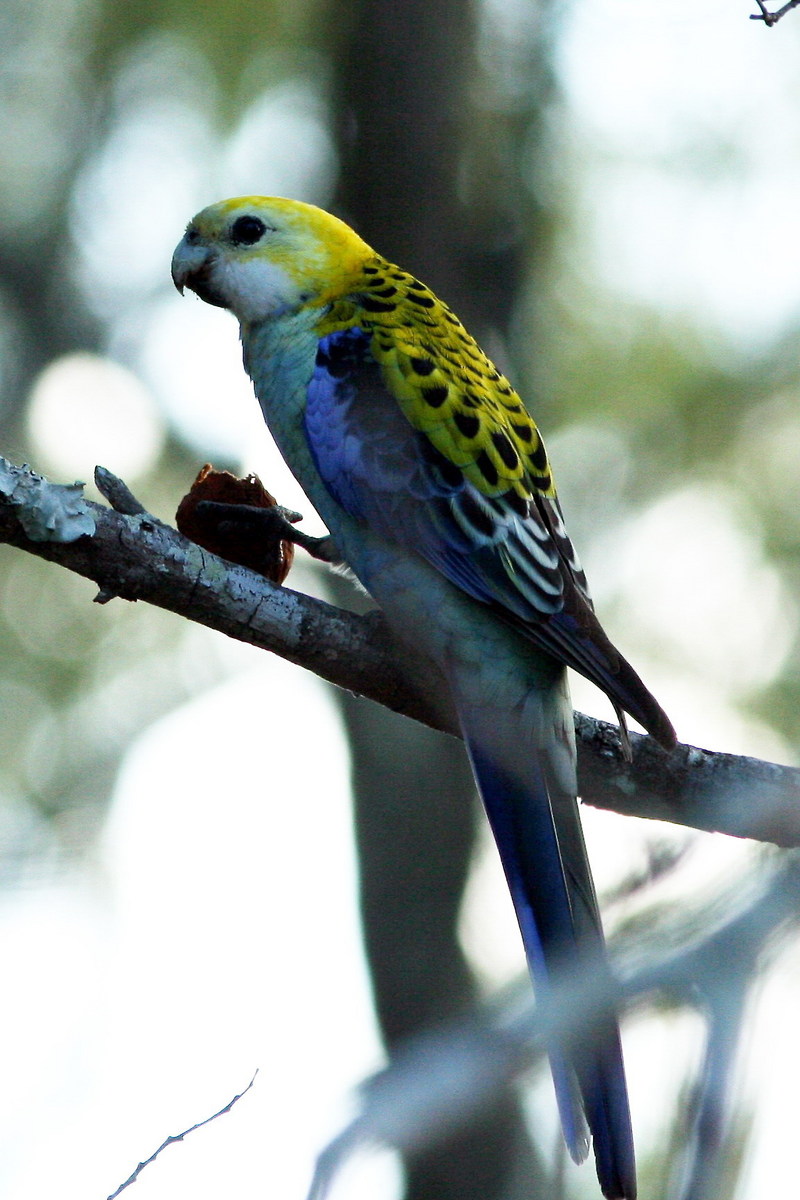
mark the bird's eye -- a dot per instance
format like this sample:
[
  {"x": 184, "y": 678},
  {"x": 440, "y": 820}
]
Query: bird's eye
[{"x": 246, "y": 231}]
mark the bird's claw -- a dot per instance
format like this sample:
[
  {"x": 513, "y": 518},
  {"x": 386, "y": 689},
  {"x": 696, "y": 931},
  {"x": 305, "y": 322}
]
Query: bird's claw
[{"x": 274, "y": 524}]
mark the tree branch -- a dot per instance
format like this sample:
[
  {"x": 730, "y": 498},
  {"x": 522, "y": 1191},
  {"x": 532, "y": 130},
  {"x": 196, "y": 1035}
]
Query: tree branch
[{"x": 134, "y": 556}]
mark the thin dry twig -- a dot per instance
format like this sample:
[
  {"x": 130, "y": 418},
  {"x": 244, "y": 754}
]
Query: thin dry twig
[
  {"x": 178, "y": 1137},
  {"x": 771, "y": 18}
]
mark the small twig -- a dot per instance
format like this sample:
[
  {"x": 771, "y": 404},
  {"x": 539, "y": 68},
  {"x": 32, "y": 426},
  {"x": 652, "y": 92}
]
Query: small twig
[
  {"x": 122, "y": 500},
  {"x": 765, "y": 15},
  {"x": 178, "y": 1137},
  {"x": 772, "y": 18},
  {"x": 117, "y": 493}
]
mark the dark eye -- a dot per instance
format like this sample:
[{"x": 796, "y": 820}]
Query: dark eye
[{"x": 246, "y": 231}]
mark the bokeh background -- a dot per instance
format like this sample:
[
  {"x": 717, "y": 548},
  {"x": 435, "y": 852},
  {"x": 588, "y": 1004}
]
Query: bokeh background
[{"x": 190, "y": 831}]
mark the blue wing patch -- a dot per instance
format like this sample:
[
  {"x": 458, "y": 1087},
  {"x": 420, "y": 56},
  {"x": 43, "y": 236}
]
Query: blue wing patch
[
  {"x": 384, "y": 472},
  {"x": 510, "y": 553}
]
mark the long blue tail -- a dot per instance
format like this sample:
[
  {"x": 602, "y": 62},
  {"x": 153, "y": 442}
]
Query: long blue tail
[{"x": 536, "y": 825}]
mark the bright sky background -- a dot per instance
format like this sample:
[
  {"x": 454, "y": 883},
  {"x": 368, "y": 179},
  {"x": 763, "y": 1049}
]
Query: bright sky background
[{"x": 214, "y": 929}]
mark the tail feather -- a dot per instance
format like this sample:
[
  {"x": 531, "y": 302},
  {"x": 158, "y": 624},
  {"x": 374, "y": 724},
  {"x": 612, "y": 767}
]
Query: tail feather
[
  {"x": 537, "y": 829},
  {"x": 601, "y": 1076}
]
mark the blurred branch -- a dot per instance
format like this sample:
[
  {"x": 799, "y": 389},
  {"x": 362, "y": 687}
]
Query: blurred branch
[
  {"x": 137, "y": 557},
  {"x": 441, "y": 1078},
  {"x": 772, "y": 18}
]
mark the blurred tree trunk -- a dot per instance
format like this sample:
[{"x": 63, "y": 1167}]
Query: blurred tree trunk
[{"x": 417, "y": 181}]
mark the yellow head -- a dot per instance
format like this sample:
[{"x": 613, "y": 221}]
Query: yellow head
[{"x": 261, "y": 256}]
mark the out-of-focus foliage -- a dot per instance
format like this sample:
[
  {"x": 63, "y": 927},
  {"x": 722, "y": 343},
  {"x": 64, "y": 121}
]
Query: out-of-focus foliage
[
  {"x": 96, "y": 98},
  {"x": 675, "y": 434},
  {"x": 234, "y": 40}
]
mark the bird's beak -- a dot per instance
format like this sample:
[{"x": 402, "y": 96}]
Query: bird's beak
[
  {"x": 189, "y": 261},
  {"x": 192, "y": 267}
]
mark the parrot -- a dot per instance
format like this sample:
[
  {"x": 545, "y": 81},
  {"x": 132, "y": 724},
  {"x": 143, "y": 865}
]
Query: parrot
[{"x": 437, "y": 492}]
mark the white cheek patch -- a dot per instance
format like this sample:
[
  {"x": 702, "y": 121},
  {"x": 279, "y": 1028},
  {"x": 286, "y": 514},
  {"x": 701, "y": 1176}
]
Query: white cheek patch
[{"x": 255, "y": 288}]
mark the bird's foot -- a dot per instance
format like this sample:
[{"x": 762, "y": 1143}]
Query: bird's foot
[{"x": 271, "y": 525}]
